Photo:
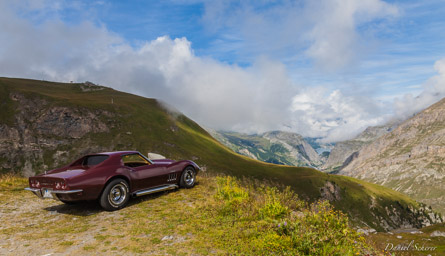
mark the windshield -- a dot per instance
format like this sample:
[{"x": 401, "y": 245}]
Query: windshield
[{"x": 134, "y": 160}]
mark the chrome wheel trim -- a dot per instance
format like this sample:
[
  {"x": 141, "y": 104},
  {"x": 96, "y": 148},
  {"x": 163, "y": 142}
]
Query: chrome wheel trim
[
  {"x": 117, "y": 195},
  {"x": 189, "y": 177}
]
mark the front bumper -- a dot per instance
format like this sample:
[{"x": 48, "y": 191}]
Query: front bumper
[{"x": 44, "y": 193}]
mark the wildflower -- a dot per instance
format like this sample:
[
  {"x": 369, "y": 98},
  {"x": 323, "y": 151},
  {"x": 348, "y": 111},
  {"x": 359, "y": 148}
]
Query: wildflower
[
  {"x": 279, "y": 225},
  {"x": 285, "y": 223}
]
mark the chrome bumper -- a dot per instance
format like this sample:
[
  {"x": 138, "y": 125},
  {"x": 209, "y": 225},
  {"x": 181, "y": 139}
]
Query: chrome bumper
[{"x": 39, "y": 192}]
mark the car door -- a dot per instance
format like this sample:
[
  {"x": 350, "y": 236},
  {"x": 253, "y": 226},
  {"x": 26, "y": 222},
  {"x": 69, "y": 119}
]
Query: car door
[{"x": 144, "y": 174}]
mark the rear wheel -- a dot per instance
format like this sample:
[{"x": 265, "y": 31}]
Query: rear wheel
[
  {"x": 188, "y": 178},
  {"x": 115, "y": 195}
]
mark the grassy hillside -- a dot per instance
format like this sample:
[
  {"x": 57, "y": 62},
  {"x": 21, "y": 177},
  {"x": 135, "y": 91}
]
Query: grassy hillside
[
  {"x": 137, "y": 123},
  {"x": 218, "y": 216}
]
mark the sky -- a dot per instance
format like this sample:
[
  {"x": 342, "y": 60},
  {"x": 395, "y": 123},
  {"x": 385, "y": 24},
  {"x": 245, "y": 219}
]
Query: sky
[{"x": 321, "y": 68}]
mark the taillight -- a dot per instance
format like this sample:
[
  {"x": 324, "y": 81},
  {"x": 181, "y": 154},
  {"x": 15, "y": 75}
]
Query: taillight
[
  {"x": 37, "y": 184},
  {"x": 58, "y": 185},
  {"x": 62, "y": 184}
]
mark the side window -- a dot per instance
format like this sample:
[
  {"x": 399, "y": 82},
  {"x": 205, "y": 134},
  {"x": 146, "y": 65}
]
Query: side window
[
  {"x": 134, "y": 160},
  {"x": 94, "y": 160}
]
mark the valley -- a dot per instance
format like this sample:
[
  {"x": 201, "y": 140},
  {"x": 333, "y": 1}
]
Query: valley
[
  {"x": 287, "y": 148},
  {"x": 277, "y": 147}
]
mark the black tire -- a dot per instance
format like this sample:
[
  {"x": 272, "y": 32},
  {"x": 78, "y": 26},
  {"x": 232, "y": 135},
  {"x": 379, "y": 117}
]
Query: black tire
[
  {"x": 188, "y": 178},
  {"x": 115, "y": 195}
]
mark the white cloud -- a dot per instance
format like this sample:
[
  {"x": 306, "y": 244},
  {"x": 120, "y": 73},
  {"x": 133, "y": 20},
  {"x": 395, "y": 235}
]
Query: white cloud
[
  {"x": 326, "y": 31},
  {"x": 433, "y": 91},
  {"x": 254, "y": 99},
  {"x": 335, "y": 41},
  {"x": 333, "y": 115},
  {"x": 215, "y": 94}
]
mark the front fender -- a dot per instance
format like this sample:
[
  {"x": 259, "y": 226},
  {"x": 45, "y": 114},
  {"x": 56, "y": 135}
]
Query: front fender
[{"x": 185, "y": 163}]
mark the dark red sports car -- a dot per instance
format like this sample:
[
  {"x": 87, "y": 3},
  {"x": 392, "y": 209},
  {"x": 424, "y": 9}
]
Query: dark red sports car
[{"x": 113, "y": 177}]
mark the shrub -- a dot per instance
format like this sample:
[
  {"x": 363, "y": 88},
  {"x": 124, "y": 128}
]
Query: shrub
[
  {"x": 320, "y": 230},
  {"x": 267, "y": 221},
  {"x": 273, "y": 208},
  {"x": 228, "y": 190}
]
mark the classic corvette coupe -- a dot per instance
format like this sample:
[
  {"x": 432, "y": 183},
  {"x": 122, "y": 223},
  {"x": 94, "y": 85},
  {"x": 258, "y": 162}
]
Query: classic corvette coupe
[{"x": 112, "y": 178}]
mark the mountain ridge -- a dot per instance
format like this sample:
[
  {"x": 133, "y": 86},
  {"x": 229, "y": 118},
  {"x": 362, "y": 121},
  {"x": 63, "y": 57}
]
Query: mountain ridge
[
  {"x": 278, "y": 147},
  {"x": 344, "y": 151},
  {"x": 409, "y": 159}
]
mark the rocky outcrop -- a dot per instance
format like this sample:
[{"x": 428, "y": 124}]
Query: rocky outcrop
[
  {"x": 41, "y": 131},
  {"x": 330, "y": 191},
  {"x": 410, "y": 159},
  {"x": 393, "y": 217}
]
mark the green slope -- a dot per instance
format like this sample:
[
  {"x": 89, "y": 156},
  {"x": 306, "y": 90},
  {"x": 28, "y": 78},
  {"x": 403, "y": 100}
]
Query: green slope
[{"x": 138, "y": 123}]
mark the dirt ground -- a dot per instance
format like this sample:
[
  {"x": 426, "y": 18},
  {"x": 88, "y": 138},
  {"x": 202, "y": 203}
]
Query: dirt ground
[{"x": 32, "y": 226}]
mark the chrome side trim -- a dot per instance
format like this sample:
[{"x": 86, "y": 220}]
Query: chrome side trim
[
  {"x": 32, "y": 189},
  {"x": 56, "y": 191},
  {"x": 154, "y": 190},
  {"x": 66, "y": 191}
]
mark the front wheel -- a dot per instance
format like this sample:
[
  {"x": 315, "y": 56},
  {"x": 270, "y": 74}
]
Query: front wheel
[
  {"x": 188, "y": 178},
  {"x": 115, "y": 195}
]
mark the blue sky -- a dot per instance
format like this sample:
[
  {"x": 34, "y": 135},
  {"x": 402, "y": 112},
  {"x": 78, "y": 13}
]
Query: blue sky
[
  {"x": 399, "y": 60},
  {"x": 324, "y": 68}
]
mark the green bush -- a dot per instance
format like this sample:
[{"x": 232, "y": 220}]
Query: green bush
[
  {"x": 320, "y": 230},
  {"x": 278, "y": 223},
  {"x": 273, "y": 208},
  {"x": 232, "y": 195}
]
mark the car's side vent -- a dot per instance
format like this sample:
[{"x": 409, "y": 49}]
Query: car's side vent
[{"x": 172, "y": 177}]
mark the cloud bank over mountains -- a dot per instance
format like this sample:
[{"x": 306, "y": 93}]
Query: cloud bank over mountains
[
  {"x": 433, "y": 91},
  {"x": 256, "y": 98}
]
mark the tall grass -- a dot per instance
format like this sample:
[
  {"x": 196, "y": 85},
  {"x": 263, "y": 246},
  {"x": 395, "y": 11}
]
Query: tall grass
[{"x": 283, "y": 224}]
